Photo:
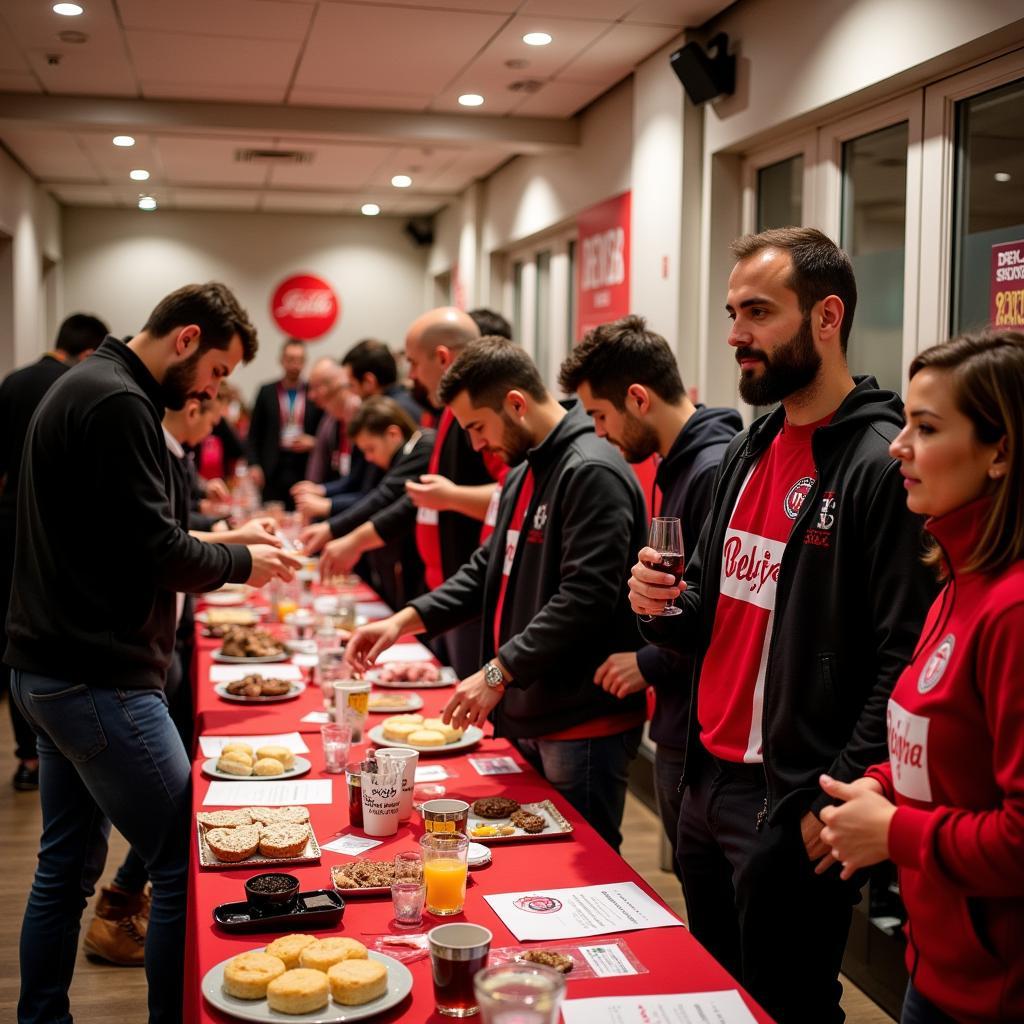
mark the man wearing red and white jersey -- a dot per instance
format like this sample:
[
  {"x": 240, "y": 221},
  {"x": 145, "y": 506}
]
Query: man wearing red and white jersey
[{"x": 801, "y": 607}]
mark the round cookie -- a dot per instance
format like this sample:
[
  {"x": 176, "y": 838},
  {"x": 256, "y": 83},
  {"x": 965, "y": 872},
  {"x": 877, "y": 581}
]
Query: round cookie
[
  {"x": 283, "y": 839},
  {"x": 248, "y": 975},
  {"x": 325, "y": 953},
  {"x": 399, "y": 731},
  {"x": 288, "y": 947},
  {"x": 449, "y": 732},
  {"x": 298, "y": 991},
  {"x": 268, "y": 766},
  {"x": 354, "y": 982},
  {"x": 427, "y": 738},
  {"x": 279, "y": 753}
]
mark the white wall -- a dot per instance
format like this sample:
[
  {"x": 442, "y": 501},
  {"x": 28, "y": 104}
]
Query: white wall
[
  {"x": 120, "y": 263},
  {"x": 29, "y": 231}
]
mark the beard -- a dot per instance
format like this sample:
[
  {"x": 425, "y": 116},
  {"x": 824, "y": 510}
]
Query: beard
[
  {"x": 179, "y": 383},
  {"x": 789, "y": 369},
  {"x": 516, "y": 441},
  {"x": 639, "y": 440}
]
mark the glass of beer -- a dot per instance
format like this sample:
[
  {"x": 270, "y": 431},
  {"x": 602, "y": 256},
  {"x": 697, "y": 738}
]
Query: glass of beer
[
  {"x": 457, "y": 953},
  {"x": 666, "y": 537},
  {"x": 444, "y": 871}
]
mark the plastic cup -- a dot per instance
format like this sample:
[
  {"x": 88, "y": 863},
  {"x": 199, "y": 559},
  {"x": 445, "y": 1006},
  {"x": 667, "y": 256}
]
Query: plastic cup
[
  {"x": 380, "y": 796},
  {"x": 444, "y": 871},
  {"x": 337, "y": 740},
  {"x": 458, "y": 952},
  {"x": 352, "y": 705},
  {"x": 407, "y": 890},
  {"x": 406, "y": 759}
]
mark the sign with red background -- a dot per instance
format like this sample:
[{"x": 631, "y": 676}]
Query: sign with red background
[
  {"x": 305, "y": 306},
  {"x": 1006, "y": 294},
  {"x": 603, "y": 263}
]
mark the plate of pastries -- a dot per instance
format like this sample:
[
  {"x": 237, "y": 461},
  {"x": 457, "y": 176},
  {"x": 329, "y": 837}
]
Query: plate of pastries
[
  {"x": 427, "y": 735},
  {"x": 259, "y": 689},
  {"x": 240, "y": 762},
  {"x": 242, "y": 645}
]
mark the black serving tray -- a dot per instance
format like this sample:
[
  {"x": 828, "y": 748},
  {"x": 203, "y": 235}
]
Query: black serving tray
[{"x": 318, "y": 908}]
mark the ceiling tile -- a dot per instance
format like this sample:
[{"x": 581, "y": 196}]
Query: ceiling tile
[
  {"x": 346, "y": 98},
  {"x": 603, "y": 10},
  {"x": 679, "y": 13},
  {"x": 215, "y": 199},
  {"x": 51, "y": 154},
  {"x": 210, "y": 161},
  {"x": 82, "y": 195},
  {"x": 482, "y": 6},
  {"x": 616, "y": 53},
  {"x": 11, "y": 58},
  {"x": 250, "y": 19},
  {"x": 560, "y": 99},
  {"x": 421, "y": 163},
  {"x": 114, "y": 162},
  {"x": 304, "y": 202},
  {"x": 340, "y": 166},
  {"x": 217, "y": 93},
  {"x": 19, "y": 81}
]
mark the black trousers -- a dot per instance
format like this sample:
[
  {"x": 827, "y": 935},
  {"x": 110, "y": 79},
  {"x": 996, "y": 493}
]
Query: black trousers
[{"x": 754, "y": 901}]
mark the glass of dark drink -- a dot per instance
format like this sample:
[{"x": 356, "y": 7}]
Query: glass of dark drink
[
  {"x": 666, "y": 537},
  {"x": 457, "y": 953}
]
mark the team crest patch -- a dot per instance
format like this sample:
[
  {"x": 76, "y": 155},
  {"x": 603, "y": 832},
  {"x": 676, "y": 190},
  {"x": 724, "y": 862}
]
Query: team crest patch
[
  {"x": 795, "y": 496},
  {"x": 935, "y": 667},
  {"x": 540, "y": 517}
]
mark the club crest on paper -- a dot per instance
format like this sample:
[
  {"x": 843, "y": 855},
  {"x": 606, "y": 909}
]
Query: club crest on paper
[
  {"x": 538, "y": 904},
  {"x": 935, "y": 667},
  {"x": 795, "y": 496}
]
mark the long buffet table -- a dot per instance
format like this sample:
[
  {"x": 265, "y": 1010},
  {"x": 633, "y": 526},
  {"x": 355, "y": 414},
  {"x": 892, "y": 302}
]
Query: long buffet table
[{"x": 675, "y": 961}]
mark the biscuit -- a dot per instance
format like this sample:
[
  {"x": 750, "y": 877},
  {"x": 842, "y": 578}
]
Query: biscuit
[
  {"x": 298, "y": 991},
  {"x": 426, "y": 738},
  {"x": 288, "y": 947},
  {"x": 279, "y": 753},
  {"x": 325, "y": 953},
  {"x": 283, "y": 839},
  {"x": 449, "y": 732},
  {"x": 234, "y": 762},
  {"x": 548, "y": 958},
  {"x": 233, "y": 844},
  {"x": 530, "y": 823},
  {"x": 268, "y": 766},
  {"x": 238, "y": 745},
  {"x": 495, "y": 807},
  {"x": 224, "y": 819},
  {"x": 354, "y": 982},
  {"x": 399, "y": 732},
  {"x": 279, "y": 815},
  {"x": 247, "y": 975}
]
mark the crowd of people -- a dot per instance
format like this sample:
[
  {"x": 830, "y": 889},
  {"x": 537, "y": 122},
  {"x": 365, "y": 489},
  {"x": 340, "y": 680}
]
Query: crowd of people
[{"x": 838, "y": 684}]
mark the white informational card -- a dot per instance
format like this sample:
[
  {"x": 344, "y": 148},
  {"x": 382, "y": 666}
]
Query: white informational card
[
  {"x": 268, "y": 794},
  {"x": 278, "y": 670},
  {"x": 432, "y": 773},
  {"x": 607, "y": 960},
  {"x": 580, "y": 911},
  {"x": 495, "y": 766},
  {"x": 405, "y": 652},
  {"x": 322, "y": 717},
  {"x": 211, "y": 746},
  {"x": 726, "y": 1007},
  {"x": 350, "y": 846},
  {"x": 373, "y": 610}
]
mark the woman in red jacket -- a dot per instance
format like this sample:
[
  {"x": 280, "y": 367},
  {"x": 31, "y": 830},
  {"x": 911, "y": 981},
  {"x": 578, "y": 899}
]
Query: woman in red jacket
[{"x": 948, "y": 807}]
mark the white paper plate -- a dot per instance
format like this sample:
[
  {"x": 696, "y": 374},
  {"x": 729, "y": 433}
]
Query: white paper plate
[
  {"x": 470, "y": 738},
  {"x": 300, "y": 767},
  {"x": 226, "y": 598},
  {"x": 228, "y": 659},
  {"x": 399, "y": 986},
  {"x": 221, "y": 689},
  {"x": 448, "y": 678},
  {"x": 409, "y": 702},
  {"x": 204, "y": 618}
]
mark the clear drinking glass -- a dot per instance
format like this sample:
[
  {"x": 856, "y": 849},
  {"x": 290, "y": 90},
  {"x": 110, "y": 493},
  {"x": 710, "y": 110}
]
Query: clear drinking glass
[
  {"x": 519, "y": 993},
  {"x": 332, "y": 669},
  {"x": 458, "y": 952},
  {"x": 337, "y": 740},
  {"x": 407, "y": 890},
  {"x": 666, "y": 537},
  {"x": 444, "y": 871}
]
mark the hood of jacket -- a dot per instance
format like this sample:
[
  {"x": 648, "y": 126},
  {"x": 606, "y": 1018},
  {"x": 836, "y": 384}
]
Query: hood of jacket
[{"x": 704, "y": 428}]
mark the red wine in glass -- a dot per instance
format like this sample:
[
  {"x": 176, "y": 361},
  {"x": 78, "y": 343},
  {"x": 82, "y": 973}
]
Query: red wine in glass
[{"x": 666, "y": 537}]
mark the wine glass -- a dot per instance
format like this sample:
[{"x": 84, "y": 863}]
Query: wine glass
[{"x": 666, "y": 537}]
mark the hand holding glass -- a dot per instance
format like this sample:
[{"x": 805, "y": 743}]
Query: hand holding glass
[{"x": 666, "y": 537}]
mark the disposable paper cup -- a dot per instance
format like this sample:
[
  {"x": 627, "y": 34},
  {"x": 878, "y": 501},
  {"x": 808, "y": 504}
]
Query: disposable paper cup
[
  {"x": 405, "y": 759},
  {"x": 380, "y": 795},
  {"x": 351, "y": 705}
]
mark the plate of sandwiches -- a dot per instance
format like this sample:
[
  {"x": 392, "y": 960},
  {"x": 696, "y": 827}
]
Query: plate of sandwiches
[
  {"x": 427, "y": 735},
  {"x": 411, "y": 675},
  {"x": 240, "y": 763},
  {"x": 256, "y": 837},
  {"x": 256, "y": 689},
  {"x": 327, "y": 980},
  {"x": 500, "y": 819},
  {"x": 393, "y": 703}
]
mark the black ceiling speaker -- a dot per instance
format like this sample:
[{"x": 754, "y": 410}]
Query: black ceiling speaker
[
  {"x": 420, "y": 230},
  {"x": 704, "y": 77}
]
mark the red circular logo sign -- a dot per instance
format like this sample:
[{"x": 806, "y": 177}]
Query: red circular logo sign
[
  {"x": 305, "y": 307},
  {"x": 538, "y": 904}
]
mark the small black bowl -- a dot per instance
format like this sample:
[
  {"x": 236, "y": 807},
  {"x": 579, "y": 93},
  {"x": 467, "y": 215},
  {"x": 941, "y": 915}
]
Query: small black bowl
[{"x": 272, "y": 892}]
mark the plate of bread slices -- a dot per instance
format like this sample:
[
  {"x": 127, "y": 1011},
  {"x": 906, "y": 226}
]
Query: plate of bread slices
[
  {"x": 239, "y": 762},
  {"x": 328, "y": 980},
  {"x": 427, "y": 735},
  {"x": 256, "y": 836}
]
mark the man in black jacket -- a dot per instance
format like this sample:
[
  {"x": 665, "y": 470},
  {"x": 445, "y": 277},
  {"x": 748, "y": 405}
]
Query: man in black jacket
[
  {"x": 801, "y": 606},
  {"x": 628, "y": 381},
  {"x": 91, "y": 631},
  {"x": 283, "y": 428},
  {"x": 552, "y": 606}
]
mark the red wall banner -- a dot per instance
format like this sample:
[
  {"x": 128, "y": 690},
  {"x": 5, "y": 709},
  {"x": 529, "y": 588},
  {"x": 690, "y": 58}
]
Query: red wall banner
[
  {"x": 1006, "y": 294},
  {"x": 305, "y": 306},
  {"x": 603, "y": 263}
]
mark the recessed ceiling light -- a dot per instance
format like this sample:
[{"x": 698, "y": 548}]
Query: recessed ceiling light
[
  {"x": 123, "y": 140},
  {"x": 370, "y": 209},
  {"x": 68, "y": 10},
  {"x": 1002, "y": 176},
  {"x": 536, "y": 39},
  {"x": 139, "y": 175},
  {"x": 401, "y": 181},
  {"x": 471, "y": 99},
  {"x": 147, "y": 203}
]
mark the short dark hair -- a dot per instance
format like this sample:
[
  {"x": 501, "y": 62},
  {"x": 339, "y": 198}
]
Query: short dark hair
[
  {"x": 289, "y": 342},
  {"x": 214, "y": 309},
  {"x": 372, "y": 356},
  {"x": 488, "y": 369},
  {"x": 376, "y": 414},
  {"x": 79, "y": 333},
  {"x": 491, "y": 324},
  {"x": 820, "y": 268},
  {"x": 614, "y": 355}
]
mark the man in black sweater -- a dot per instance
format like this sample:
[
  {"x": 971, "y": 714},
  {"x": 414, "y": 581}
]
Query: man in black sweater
[
  {"x": 552, "y": 606},
  {"x": 20, "y": 395},
  {"x": 91, "y": 631},
  {"x": 628, "y": 381}
]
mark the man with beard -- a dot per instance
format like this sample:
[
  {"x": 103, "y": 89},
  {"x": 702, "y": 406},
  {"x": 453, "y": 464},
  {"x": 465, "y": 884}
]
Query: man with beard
[
  {"x": 628, "y": 382},
  {"x": 800, "y": 607},
  {"x": 553, "y": 605},
  {"x": 91, "y": 630}
]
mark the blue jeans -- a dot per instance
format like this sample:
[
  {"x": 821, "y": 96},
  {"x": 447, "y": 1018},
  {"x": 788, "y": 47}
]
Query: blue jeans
[
  {"x": 105, "y": 756},
  {"x": 918, "y": 1010},
  {"x": 590, "y": 774}
]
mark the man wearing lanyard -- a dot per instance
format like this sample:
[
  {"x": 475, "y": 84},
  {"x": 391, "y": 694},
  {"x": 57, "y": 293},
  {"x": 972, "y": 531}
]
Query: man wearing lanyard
[
  {"x": 284, "y": 422},
  {"x": 547, "y": 582}
]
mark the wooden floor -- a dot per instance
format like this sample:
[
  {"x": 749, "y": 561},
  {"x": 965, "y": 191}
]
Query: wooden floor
[{"x": 102, "y": 994}]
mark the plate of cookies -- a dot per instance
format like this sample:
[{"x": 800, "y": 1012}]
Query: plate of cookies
[
  {"x": 258, "y": 689},
  {"x": 256, "y": 836},
  {"x": 500, "y": 819},
  {"x": 328, "y": 980},
  {"x": 239, "y": 762},
  {"x": 427, "y": 735}
]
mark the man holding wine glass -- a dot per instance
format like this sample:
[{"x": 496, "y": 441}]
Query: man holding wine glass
[{"x": 800, "y": 606}]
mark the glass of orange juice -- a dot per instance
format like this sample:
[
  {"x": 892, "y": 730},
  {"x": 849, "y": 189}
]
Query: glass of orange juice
[{"x": 444, "y": 871}]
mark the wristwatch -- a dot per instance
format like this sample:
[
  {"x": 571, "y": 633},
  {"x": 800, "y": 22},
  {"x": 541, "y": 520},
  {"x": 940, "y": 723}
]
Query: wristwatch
[{"x": 493, "y": 676}]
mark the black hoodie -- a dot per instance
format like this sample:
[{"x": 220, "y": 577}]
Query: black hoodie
[
  {"x": 851, "y": 597},
  {"x": 566, "y": 606},
  {"x": 686, "y": 479}
]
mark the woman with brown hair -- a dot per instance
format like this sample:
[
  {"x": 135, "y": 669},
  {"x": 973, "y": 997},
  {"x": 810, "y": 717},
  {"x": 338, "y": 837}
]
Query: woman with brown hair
[{"x": 948, "y": 807}]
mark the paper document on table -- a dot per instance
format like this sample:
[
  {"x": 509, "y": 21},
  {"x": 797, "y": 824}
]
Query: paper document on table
[
  {"x": 268, "y": 794},
  {"x": 278, "y": 670},
  {"x": 726, "y": 1007},
  {"x": 495, "y": 766},
  {"x": 320, "y": 717},
  {"x": 432, "y": 773},
  {"x": 405, "y": 652},
  {"x": 211, "y": 746},
  {"x": 350, "y": 846},
  {"x": 580, "y": 911}
]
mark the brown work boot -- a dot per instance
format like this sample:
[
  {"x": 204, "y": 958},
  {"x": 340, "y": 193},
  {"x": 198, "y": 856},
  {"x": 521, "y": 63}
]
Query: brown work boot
[{"x": 117, "y": 932}]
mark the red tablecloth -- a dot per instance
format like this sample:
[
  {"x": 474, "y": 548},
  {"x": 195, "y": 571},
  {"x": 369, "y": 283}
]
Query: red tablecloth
[{"x": 673, "y": 958}]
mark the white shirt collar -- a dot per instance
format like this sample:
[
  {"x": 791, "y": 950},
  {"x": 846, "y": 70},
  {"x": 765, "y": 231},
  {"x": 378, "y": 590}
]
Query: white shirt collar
[{"x": 173, "y": 445}]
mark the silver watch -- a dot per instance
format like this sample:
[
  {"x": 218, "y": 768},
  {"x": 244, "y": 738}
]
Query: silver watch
[{"x": 493, "y": 675}]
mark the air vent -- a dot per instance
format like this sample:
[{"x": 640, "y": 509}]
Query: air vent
[
  {"x": 527, "y": 85},
  {"x": 273, "y": 156}
]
